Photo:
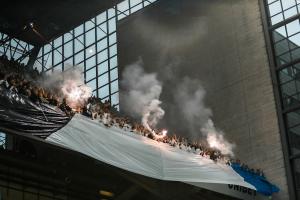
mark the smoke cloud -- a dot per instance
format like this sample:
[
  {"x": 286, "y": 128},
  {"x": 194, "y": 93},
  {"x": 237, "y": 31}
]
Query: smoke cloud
[
  {"x": 141, "y": 95},
  {"x": 189, "y": 98},
  {"x": 69, "y": 85},
  {"x": 215, "y": 139}
]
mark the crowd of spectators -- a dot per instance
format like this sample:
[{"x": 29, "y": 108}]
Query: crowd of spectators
[{"x": 21, "y": 79}]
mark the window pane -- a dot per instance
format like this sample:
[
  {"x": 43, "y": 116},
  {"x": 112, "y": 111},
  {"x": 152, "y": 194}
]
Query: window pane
[
  {"x": 115, "y": 99},
  {"x": 90, "y": 51},
  {"x": 286, "y": 75},
  {"x": 48, "y": 60},
  {"x": 282, "y": 47},
  {"x": 296, "y": 54},
  {"x": 287, "y": 4},
  {"x": 102, "y": 56},
  {"x": 90, "y": 74},
  {"x": 114, "y": 74},
  {"x": 89, "y": 24},
  {"x": 114, "y": 86},
  {"x": 78, "y": 42},
  {"x": 289, "y": 88},
  {"x": 68, "y": 49},
  {"x": 90, "y": 37},
  {"x": 111, "y": 13},
  {"x": 123, "y": 6},
  {"x": 113, "y": 62},
  {"x": 68, "y": 63},
  {"x": 103, "y": 92},
  {"x": 134, "y": 2},
  {"x": 279, "y": 34},
  {"x": 79, "y": 58},
  {"x": 112, "y": 39},
  {"x": 293, "y": 119},
  {"x": 136, "y": 8},
  {"x": 102, "y": 44},
  {"x": 57, "y": 56},
  {"x": 103, "y": 67},
  {"x": 121, "y": 15},
  {"x": 25, "y": 60},
  {"x": 101, "y": 31},
  {"x": 57, "y": 42},
  {"x": 91, "y": 62},
  {"x": 296, "y": 40},
  {"x": 47, "y": 48},
  {"x": 275, "y": 8},
  {"x": 67, "y": 37},
  {"x": 113, "y": 50},
  {"x": 146, "y": 3},
  {"x": 112, "y": 25},
  {"x": 101, "y": 18},
  {"x": 78, "y": 30},
  {"x": 290, "y": 12},
  {"x": 103, "y": 79},
  {"x": 92, "y": 84},
  {"x": 283, "y": 59},
  {"x": 293, "y": 27},
  {"x": 277, "y": 18}
]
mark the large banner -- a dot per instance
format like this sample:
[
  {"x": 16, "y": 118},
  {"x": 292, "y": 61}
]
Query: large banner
[
  {"x": 123, "y": 149},
  {"x": 20, "y": 115}
]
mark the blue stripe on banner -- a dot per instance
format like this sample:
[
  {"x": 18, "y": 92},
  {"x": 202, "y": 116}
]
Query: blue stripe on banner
[{"x": 261, "y": 184}]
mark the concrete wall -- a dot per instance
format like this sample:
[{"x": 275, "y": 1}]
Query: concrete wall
[{"x": 221, "y": 43}]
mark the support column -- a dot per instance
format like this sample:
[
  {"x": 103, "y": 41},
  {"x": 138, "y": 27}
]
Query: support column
[{"x": 33, "y": 56}]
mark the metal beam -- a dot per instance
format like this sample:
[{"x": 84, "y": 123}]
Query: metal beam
[
  {"x": 33, "y": 56},
  {"x": 2, "y": 42},
  {"x": 288, "y": 20}
]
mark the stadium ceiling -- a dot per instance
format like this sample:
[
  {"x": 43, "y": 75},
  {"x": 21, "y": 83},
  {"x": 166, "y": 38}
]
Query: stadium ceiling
[{"x": 38, "y": 22}]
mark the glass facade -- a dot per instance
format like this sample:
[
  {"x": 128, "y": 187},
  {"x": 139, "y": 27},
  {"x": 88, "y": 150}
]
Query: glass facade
[
  {"x": 14, "y": 48},
  {"x": 92, "y": 47},
  {"x": 280, "y": 10},
  {"x": 284, "y": 30}
]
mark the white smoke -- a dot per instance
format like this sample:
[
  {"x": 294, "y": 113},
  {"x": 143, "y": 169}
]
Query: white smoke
[
  {"x": 189, "y": 97},
  {"x": 152, "y": 113},
  {"x": 215, "y": 139},
  {"x": 69, "y": 85},
  {"x": 141, "y": 98}
]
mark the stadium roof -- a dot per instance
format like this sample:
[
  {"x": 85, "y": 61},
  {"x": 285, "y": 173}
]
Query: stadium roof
[{"x": 50, "y": 18}]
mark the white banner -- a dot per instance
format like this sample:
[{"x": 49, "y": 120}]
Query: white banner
[{"x": 142, "y": 155}]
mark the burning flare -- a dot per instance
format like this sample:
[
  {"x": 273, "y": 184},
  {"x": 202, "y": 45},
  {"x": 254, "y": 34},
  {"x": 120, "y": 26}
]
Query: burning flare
[
  {"x": 76, "y": 95},
  {"x": 161, "y": 134},
  {"x": 152, "y": 114}
]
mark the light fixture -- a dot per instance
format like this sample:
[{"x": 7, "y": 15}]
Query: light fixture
[{"x": 106, "y": 193}]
